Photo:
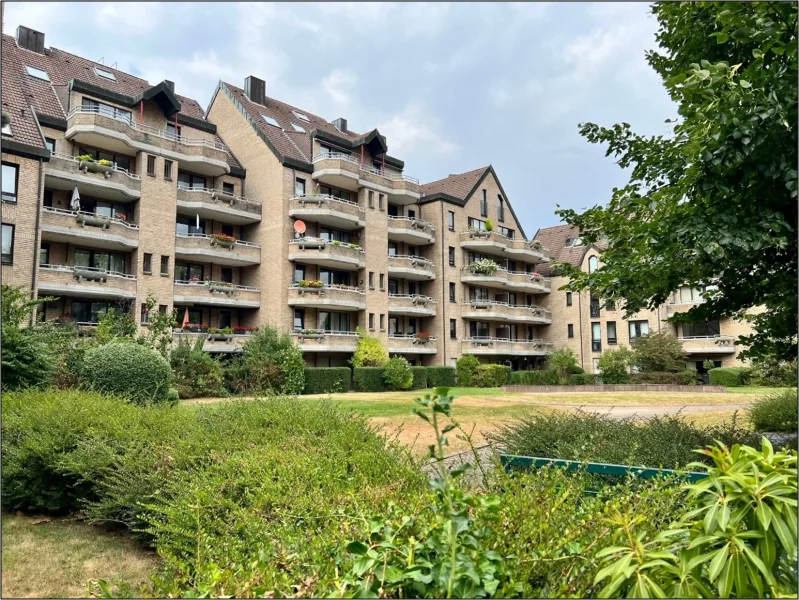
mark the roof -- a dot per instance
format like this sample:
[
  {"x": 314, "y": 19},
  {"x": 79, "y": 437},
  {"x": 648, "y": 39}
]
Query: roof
[
  {"x": 554, "y": 239},
  {"x": 457, "y": 186}
]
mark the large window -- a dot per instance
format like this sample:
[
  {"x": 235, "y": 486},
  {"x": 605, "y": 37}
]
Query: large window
[
  {"x": 299, "y": 186},
  {"x": 104, "y": 209},
  {"x": 638, "y": 329},
  {"x": 612, "y": 332},
  {"x": 187, "y": 225},
  {"x": 594, "y": 307},
  {"x": 336, "y": 193},
  {"x": 105, "y": 109},
  {"x": 123, "y": 162},
  {"x": 593, "y": 262},
  {"x": 393, "y": 287},
  {"x": 331, "y": 277},
  {"x": 187, "y": 180},
  {"x": 85, "y": 311},
  {"x": 508, "y": 233},
  {"x": 478, "y": 294},
  {"x": 299, "y": 319},
  {"x": 706, "y": 329},
  {"x": 478, "y": 329},
  {"x": 334, "y": 235},
  {"x": 299, "y": 272},
  {"x": 10, "y": 182},
  {"x": 98, "y": 259},
  {"x": 44, "y": 254},
  {"x": 393, "y": 249},
  {"x": 596, "y": 337},
  {"x": 476, "y": 224},
  {"x": 189, "y": 272},
  {"x": 8, "y": 244},
  {"x": 335, "y": 321}
]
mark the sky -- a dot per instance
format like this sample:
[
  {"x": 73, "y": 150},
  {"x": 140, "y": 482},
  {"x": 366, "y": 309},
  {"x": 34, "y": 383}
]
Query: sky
[{"x": 453, "y": 87}]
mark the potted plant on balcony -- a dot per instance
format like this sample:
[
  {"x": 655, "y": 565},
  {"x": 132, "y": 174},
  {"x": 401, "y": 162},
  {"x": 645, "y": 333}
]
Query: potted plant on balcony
[
  {"x": 484, "y": 266},
  {"x": 220, "y": 287},
  {"x": 489, "y": 225},
  {"x": 421, "y": 337},
  {"x": 535, "y": 277},
  {"x": 310, "y": 285},
  {"x": 89, "y": 274},
  {"x": 242, "y": 330},
  {"x": 89, "y": 165},
  {"x": 95, "y": 220},
  {"x": 219, "y": 335},
  {"x": 354, "y": 247},
  {"x": 310, "y": 334},
  {"x": 223, "y": 240}
]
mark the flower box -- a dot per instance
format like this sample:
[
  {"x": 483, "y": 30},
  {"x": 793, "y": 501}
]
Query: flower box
[
  {"x": 422, "y": 337},
  {"x": 94, "y": 220},
  {"x": 223, "y": 240},
  {"x": 311, "y": 284},
  {"x": 483, "y": 266},
  {"x": 219, "y": 337},
  {"x": 423, "y": 300},
  {"x": 479, "y": 235},
  {"x": 310, "y": 334},
  {"x": 312, "y": 243},
  {"x": 220, "y": 287},
  {"x": 90, "y": 274},
  {"x": 242, "y": 330},
  {"x": 93, "y": 166}
]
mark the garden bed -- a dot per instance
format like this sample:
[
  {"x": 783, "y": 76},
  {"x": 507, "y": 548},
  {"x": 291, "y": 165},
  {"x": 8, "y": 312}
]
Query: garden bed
[{"x": 555, "y": 389}]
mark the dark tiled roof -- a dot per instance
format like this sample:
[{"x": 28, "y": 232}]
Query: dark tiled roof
[
  {"x": 458, "y": 186},
  {"x": 554, "y": 239}
]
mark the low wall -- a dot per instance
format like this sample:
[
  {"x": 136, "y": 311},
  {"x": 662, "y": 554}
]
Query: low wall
[{"x": 650, "y": 387}]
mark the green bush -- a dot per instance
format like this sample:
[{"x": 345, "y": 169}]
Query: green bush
[
  {"x": 325, "y": 380},
  {"x": 773, "y": 373},
  {"x": 545, "y": 377},
  {"x": 195, "y": 373},
  {"x": 419, "y": 378},
  {"x": 127, "y": 370},
  {"x": 467, "y": 368},
  {"x": 582, "y": 379},
  {"x": 25, "y": 362},
  {"x": 613, "y": 365},
  {"x": 685, "y": 377},
  {"x": 368, "y": 379},
  {"x": 369, "y": 352},
  {"x": 235, "y": 375},
  {"x": 441, "y": 377},
  {"x": 659, "y": 353},
  {"x": 489, "y": 376},
  {"x": 564, "y": 363},
  {"x": 397, "y": 374},
  {"x": 274, "y": 363},
  {"x": 775, "y": 412},
  {"x": 728, "y": 376}
]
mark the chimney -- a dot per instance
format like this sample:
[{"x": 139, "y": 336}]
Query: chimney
[
  {"x": 30, "y": 39},
  {"x": 340, "y": 124},
  {"x": 170, "y": 85},
  {"x": 255, "y": 89}
]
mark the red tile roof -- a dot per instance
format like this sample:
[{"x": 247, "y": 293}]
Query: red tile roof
[
  {"x": 554, "y": 239},
  {"x": 458, "y": 185}
]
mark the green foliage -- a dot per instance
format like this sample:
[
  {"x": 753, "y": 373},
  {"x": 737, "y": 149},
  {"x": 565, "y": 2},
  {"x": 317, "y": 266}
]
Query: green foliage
[
  {"x": 369, "y": 352},
  {"x": 713, "y": 203},
  {"x": 728, "y": 376},
  {"x": 738, "y": 537},
  {"x": 115, "y": 325},
  {"x": 489, "y": 225},
  {"x": 467, "y": 369},
  {"x": 419, "y": 378},
  {"x": 397, "y": 374},
  {"x": 195, "y": 373},
  {"x": 658, "y": 352},
  {"x": 326, "y": 380},
  {"x": 775, "y": 412},
  {"x": 769, "y": 372},
  {"x": 489, "y": 376},
  {"x": 273, "y": 362},
  {"x": 158, "y": 331},
  {"x": 441, "y": 376},
  {"x": 614, "y": 365},
  {"x": 684, "y": 377},
  {"x": 25, "y": 362},
  {"x": 127, "y": 370},
  {"x": 563, "y": 362},
  {"x": 17, "y": 307},
  {"x": 368, "y": 379},
  {"x": 582, "y": 379},
  {"x": 545, "y": 377}
]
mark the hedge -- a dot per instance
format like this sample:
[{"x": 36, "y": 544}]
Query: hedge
[
  {"x": 582, "y": 379},
  {"x": 419, "y": 378},
  {"x": 489, "y": 376},
  {"x": 686, "y": 377},
  {"x": 368, "y": 379},
  {"x": 546, "y": 377},
  {"x": 441, "y": 376},
  {"x": 323, "y": 380},
  {"x": 729, "y": 376}
]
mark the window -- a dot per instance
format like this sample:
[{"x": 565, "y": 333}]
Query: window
[
  {"x": 451, "y": 256},
  {"x": 228, "y": 189},
  {"x": 151, "y": 165},
  {"x": 84, "y": 311},
  {"x": 611, "y": 332},
  {"x": 411, "y": 214},
  {"x": 479, "y": 294},
  {"x": 331, "y": 277},
  {"x": 224, "y": 319},
  {"x": 298, "y": 128},
  {"x": 381, "y": 199},
  {"x": 411, "y": 288},
  {"x": 38, "y": 73},
  {"x": 188, "y": 225},
  {"x": 226, "y": 274},
  {"x": 168, "y": 170},
  {"x": 371, "y": 320},
  {"x": 382, "y": 322},
  {"x": 570, "y": 330},
  {"x": 110, "y": 261},
  {"x": 638, "y": 329},
  {"x": 500, "y": 209},
  {"x": 162, "y": 308},
  {"x": 594, "y": 304},
  {"x": 145, "y": 314},
  {"x": 299, "y": 273},
  {"x": 44, "y": 254},
  {"x": 393, "y": 287},
  {"x": 478, "y": 329},
  {"x": 393, "y": 326},
  {"x": 706, "y": 329},
  {"x": 451, "y": 220},
  {"x": 610, "y": 305},
  {"x": 299, "y": 187},
  {"x": 452, "y": 292},
  {"x": 172, "y": 132},
  {"x": 189, "y": 272},
  {"x": 50, "y": 144},
  {"x": 107, "y": 110},
  {"x": 477, "y": 224},
  {"x": 411, "y": 326},
  {"x": 227, "y": 230},
  {"x": 10, "y": 182},
  {"x": 412, "y": 251},
  {"x": 596, "y": 337},
  {"x": 122, "y": 162},
  {"x": 508, "y": 233},
  {"x": 189, "y": 181},
  {"x": 8, "y": 244},
  {"x": 301, "y": 116},
  {"x": 568, "y": 298},
  {"x": 164, "y": 265},
  {"x": 371, "y": 280},
  {"x": 147, "y": 263},
  {"x": 392, "y": 248},
  {"x": 270, "y": 120},
  {"x": 7, "y": 129},
  {"x": 371, "y": 199},
  {"x": 453, "y": 329},
  {"x": 106, "y": 75},
  {"x": 593, "y": 261},
  {"x": 484, "y": 205},
  {"x": 299, "y": 319},
  {"x": 342, "y": 194},
  {"x": 382, "y": 281}
]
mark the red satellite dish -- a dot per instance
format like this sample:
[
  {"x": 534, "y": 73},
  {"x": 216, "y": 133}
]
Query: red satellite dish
[{"x": 299, "y": 226}]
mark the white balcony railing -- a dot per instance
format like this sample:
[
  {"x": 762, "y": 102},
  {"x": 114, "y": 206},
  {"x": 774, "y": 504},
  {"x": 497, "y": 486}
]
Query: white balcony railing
[
  {"x": 250, "y": 205},
  {"x": 368, "y": 169},
  {"x": 114, "y": 166},
  {"x": 98, "y": 270},
  {"x": 196, "y": 236},
  {"x": 77, "y": 213}
]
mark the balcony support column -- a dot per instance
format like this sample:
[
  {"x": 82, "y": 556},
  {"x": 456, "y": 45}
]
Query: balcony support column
[{"x": 141, "y": 113}]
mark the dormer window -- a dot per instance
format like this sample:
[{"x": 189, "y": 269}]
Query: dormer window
[
  {"x": 298, "y": 128},
  {"x": 7, "y": 129},
  {"x": 301, "y": 116},
  {"x": 270, "y": 120},
  {"x": 38, "y": 73},
  {"x": 573, "y": 242},
  {"x": 105, "y": 74}
]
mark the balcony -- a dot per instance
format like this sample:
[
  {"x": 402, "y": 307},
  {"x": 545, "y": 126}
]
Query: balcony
[
  {"x": 411, "y": 267},
  {"x": 327, "y": 210},
  {"x": 411, "y": 231},
  {"x": 336, "y": 255},
  {"x": 346, "y": 172},
  {"x": 216, "y": 293},
  {"x": 217, "y": 205},
  {"x": 411, "y": 344},
  {"x": 412, "y": 306},
  {"x": 85, "y": 282},
  {"x": 213, "y": 344},
  {"x": 490, "y": 310},
  {"x": 491, "y": 346},
  {"x": 64, "y": 172},
  {"x": 494, "y": 243},
  {"x": 95, "y": 126},
  {"x": 202, "y": 247},
  {"x": 88, "y": 229},
  {"x": 716, "y": 344},
  {"x": 506, "y": 280},
  {"x": 327, "y": 296},
  {"x": 316, "y": 340}
]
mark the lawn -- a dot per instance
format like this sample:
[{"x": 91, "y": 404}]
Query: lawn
[{"x": 56, "y": 558}]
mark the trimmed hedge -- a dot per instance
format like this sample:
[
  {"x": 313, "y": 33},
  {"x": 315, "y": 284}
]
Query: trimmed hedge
[
  {"x": 686, "y": 377},
  {"x": 127, "y": 370},
  {"x": 467, "y": 366},
  {"x": 489, "y": 376},
  {"x": 419, "y": 378},
  {"x": 729, "y": 376},
  {"x": 323, "y": 380},
  {"x": 368, "y": 379},
  {"x": 775, "y": 412},
  {"x": 582, "y": 379},
  {"x": 441, "y": 376},
  {"x": 546, "y": 377}
]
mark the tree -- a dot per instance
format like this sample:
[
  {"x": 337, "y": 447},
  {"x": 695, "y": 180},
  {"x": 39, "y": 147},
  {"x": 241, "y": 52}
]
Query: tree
[
  {"x": 369, "y": 352},
  {"x": 158, "y": 334},
  {"x": 613, "y": 365},
  {"x": 116, "y": 325},
  {"x": 658, "y": 352},
  {"x": 563, "y": 362},
  {"x": 714, "y": 204}
]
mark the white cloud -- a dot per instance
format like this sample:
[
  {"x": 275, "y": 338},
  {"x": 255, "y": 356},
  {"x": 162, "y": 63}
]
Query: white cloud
[
  {"x": 129, "y": 18},
  {"x": 414, "y": 132},
  {"x": 340, "y": 86},
  {"x": 530, "y": 10}
]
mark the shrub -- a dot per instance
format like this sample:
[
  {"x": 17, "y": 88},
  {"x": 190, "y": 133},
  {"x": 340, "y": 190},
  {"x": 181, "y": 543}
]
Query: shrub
[
  {"x": 397, "y": 374},
  {"x": 563, "y": 362},
  {"x": 25, "y": 363},
  {"x": 489, "y": 376},
  {"x": 773, "y": 373},
  {"x": 115, "y": 325},
  {"x": 613, "y": 366},
  {"x": 235, "y": 375},
  {"x": 127, "y": 370},
  {"x": 274, "y": 363},
  {"x": 419, "y": 378},
  {"x": 441, "y": 377},
  {"x": 658, "y": 352},
  {"x": 728, "y": 376},
  {"x": 775, "y": 412},
  {"x": 582, "y": 379},
  {"x": 684, "y": 377},
  {"x": 368, "y": 379},
  {"x": 195, "y": 372},
  {"x": 325, "y": 380},
  {"x": 369, "y": 352},
  {"x": 546, "y": 377},
  {"x": 467, "y": 367}
]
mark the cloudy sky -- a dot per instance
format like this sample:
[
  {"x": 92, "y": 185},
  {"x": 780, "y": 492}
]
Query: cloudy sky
[{"x": 452, "y": 86}]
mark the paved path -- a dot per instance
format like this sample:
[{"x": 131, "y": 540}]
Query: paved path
[{"x": 648, "y": 410}]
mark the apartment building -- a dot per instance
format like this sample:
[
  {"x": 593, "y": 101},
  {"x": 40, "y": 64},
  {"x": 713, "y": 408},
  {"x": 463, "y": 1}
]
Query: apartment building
[{"x": 588, "y": 325}]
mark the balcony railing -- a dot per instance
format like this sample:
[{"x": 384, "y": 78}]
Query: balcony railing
[
  {"x": 216, "y": 293},
  {"x": 89, "y": 218},
  {"x": 90, "y": 166},
  {"x": 328, "y": 295},
  {"x": 488, "y": 345},
  {"x": 327, "y": 209},
  {"x": 416, "y": 230},
  {"x": 504, "y": 311},
  {"x": 211, "y": 195},
  {"x": 507, "y": 279},
  {"x": 323, "y": 252},
  {"x": 411, "y": 343},
  {"x": 90, "y": 281},
  {"x": 495, "y": 242},
  {"x": 410, "y": 265},
  {"x": 202, "y": 243},
  {"x": 320, "y": 340}
]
